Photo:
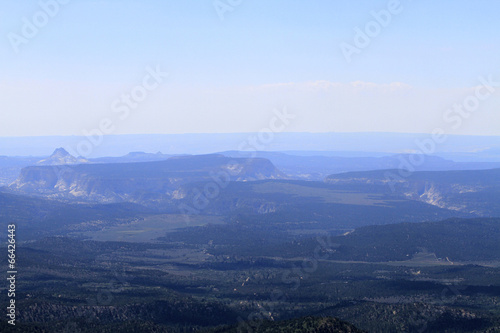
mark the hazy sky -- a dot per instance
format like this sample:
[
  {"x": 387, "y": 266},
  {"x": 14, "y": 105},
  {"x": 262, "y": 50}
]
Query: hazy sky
[{"x": 68, "y": 69}]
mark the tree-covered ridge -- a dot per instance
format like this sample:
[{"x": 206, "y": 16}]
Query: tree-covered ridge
[
  {"x": 454, "y": 239},
  {"x": 297, "y": 325}
]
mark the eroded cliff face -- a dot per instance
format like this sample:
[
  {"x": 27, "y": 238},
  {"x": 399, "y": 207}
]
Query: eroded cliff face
[
  {"x": 425, "y": 191},
  {"x": 138, "y": 182},
  {"x": 469, "y": 194},
  {"x": 432, "y": 193}
]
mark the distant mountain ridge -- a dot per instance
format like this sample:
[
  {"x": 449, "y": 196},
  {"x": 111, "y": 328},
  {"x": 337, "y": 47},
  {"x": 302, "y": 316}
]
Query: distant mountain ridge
[
  {"x": 315, "y": 166},
  {"x": 136, "y": 156},
  {"x": 482, "y": 147}
]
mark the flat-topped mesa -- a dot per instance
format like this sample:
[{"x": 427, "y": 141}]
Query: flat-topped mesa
[{"x": 140, "y": 182}]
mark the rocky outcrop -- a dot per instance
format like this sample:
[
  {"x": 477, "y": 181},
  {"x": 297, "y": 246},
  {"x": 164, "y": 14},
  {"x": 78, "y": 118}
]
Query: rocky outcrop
[{"x": 61, "y": 157}]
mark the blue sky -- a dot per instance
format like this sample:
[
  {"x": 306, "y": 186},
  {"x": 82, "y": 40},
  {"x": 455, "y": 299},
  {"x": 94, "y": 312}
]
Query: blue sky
[{"x": 228, "y": 75}]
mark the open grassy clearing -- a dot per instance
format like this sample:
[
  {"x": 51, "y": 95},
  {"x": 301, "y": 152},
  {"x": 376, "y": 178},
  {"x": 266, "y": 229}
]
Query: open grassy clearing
[
  {"x": 149, "y": 228},
  {"x": 324, "y": 194}
]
